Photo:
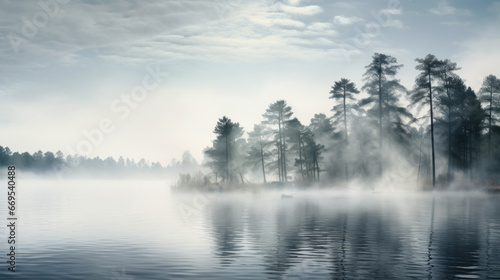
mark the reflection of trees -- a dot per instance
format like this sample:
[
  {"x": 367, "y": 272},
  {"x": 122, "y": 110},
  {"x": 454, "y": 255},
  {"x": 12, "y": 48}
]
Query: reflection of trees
[
  {"x": 376, "y": 238},
  {"x": 431, "y": 235},
  {"x": 457, "y": 239},
  {"x": 492, "y": 246},
  {"x": 368, "y": 245},
  {"x": 227, "y": 230},
  {"x": 282, "y": 255}
]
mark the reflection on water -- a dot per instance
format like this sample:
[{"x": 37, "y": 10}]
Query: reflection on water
[
  {"x": 360, "y": 236},
  {"x": 139, "y": 230}
]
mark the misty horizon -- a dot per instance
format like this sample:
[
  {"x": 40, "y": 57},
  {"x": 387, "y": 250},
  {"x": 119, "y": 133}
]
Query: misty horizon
[
  {"x": 232, "y": 139},
  {"x": 307, "y": 46}
]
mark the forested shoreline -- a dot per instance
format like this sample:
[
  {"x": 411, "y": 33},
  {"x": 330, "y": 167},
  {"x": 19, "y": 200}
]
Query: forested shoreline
[
  {"x": 434, "y": 134},
  {"x": 49, "y": 164}
]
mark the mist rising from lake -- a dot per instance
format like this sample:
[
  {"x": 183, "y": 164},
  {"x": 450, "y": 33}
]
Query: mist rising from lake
[{"x": 140, "y": 230}]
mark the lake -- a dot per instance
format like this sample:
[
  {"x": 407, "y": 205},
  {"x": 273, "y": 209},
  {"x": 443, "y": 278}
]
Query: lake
[{"x": 140, "y": 230}]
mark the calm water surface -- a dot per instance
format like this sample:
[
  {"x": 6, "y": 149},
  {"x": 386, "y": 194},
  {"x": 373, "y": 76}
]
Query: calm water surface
[{"x": 139, "y": 230}]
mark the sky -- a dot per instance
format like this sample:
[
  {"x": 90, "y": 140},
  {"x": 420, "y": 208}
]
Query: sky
[{"x": 149, "y": 79}]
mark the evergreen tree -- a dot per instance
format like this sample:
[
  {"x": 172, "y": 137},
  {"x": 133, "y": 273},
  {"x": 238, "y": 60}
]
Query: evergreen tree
[
  {"x": 5, "y": 155},
  {"x": 275, "y": 119},
  {"x": 384, "y": 93},
  {"x": 490, "y": 88},
  {"x": 258, "y": 153},
  {"x": 224, "y": 151},
  {"x": 467, "y": 134},
  {"x": 430, "y": 71},
  {"x": 312, "y": 155},
  {"x": 295, "y": 134},
  {"x": 322, "y": 128},
  {"x": 448, "y": 81},
  {"x": 343, "y": 91}
]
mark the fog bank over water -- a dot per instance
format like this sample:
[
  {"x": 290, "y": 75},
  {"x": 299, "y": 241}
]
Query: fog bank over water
[
  {"x": 231, "y": 139},
  {"x": 313, "y": 234}
]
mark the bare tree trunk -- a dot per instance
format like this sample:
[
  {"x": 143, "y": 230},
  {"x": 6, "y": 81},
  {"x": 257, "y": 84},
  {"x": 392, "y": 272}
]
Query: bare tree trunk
[
  {"x": 241, "y": 177},
  {"x": 346, "y": 139},
  {"x": 279, "y": 165},
  {"x": 280, "y": 150},
  {"x": 227, "y": 159},
  {"x": 489, "y": 125},
  {"x": 449, "y": 135},
  {"x": 284, "y": 155},
  {"x": 262, "y": 159},
  {"x": 317, "y": 167},
  {"x": 419, "y": 158},
  {"x": 300, "y": 158},
  {"x": 432, "y": 134},
  {"x": 380, "y": 119}
]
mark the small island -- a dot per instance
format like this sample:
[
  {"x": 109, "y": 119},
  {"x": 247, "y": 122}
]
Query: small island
[{"x": 439, "y": 134}]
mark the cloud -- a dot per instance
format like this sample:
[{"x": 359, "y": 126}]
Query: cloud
[
  {"x": 136, "y": 33},
  {"x": 306, "y": 10},
  {"x": 241, "y": 39},
  {"x": 343, "y": 20},
  {"x": 456, "y": 23},
  {"x": 343, "y": 5},
  {"x": 294, "y": 2},
  {"x": 276, "y": 19},
  {"x": 81, "y": 24},
  {"x": 495, "y": 7},
  {"x": 82, "y": 31},
  {"x": 385, "y": 17},
  {"x": 479, "y": 56},
  {"x": 286, "y": 22},
  {"x": 444, "y": 8},
  {"x": 394, "y": 23},
  {"x": 320, "y": 26},
  {"x": 391, "y": 11}
]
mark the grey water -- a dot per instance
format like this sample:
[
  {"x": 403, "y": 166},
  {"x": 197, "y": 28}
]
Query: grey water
[{"x": 140, "y": 230}]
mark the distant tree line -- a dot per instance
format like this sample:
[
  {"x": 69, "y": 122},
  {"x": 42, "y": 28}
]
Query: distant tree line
[
  {"x": 48, "y": 163},
  {"x": 438, "y": 129}
]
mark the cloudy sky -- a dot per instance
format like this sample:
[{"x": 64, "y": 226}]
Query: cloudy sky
[{"x": 150, "y": 78}]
